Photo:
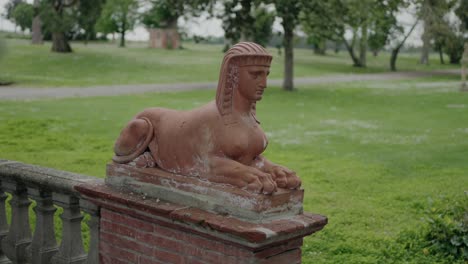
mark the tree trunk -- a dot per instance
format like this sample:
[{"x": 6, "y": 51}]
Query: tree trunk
[
  {"x": 454, "y": 59},
  {"x": 122, "y": 39},
  {"x": 441, "y": 55},
  {"x": 393, "y": 58},
  {"x": 36, "y": 28},
  {"x": 426, "y": 38},
  {"x": 288, "y": 83},
  {"x": 60, "y": 42},
  {"x": 337, "y": 47},
  {"x": 122, "y": 33},
  {"x": 363, "y": 45},
  {"x": 36, "y": 37},
  {"x": 320, "y": 48},
  {"x": 356, "y": 62},
  {"x": 86, "y": 39},
  {"x": 395, "y": 51}
]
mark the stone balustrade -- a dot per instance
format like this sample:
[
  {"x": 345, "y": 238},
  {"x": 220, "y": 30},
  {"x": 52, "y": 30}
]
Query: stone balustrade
[{"x": 49, "y": 188}]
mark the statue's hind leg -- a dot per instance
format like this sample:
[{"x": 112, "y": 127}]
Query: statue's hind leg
[{"x": 133, "y": 140}]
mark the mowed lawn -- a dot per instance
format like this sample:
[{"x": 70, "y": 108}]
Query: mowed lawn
[
  {"x": 106, "y": 64},
  {"x": 370, "y": 154}
]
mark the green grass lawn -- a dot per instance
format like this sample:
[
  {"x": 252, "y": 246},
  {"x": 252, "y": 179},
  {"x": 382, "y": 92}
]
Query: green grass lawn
[
  {"x": 107, "y": 64},
  {"x": 370, "y": 154}
]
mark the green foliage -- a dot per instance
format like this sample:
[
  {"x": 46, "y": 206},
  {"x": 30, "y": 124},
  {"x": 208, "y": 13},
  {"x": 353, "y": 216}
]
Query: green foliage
[
  {"x": 263, "y": 25},
  {"x": 447, "y": 226},
  {"x": 55, "y": 20},
  {"x": 322, "y": 21},
  {"x": 381, "y": 27},
  {"x": 247, "y": 20},
  {"x": 161, "y": 15},
  {"x": 238, "y": 20},
  {"x": 23, "y": 15},
  {"x": 453, "y": 46},
  {"x": 88, "y": 13},
  {"x": 118, "y": 16},
  {"x": 442, "y": 237},
  {"x": 288, "y": 11},
  {"x": 9, "y": 7},
  {"x": 462, "y": 12}
]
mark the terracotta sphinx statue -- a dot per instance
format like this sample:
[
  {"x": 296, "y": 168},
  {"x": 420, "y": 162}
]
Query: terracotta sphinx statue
[{"x": 221, "y": 141}]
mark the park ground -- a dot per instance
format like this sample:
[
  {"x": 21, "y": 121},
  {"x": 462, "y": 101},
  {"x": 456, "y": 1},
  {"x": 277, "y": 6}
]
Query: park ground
[{"x": 371, "y": 154}]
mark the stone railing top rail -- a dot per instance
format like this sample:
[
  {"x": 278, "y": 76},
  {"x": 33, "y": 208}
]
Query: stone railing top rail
[{"x": 43, "y": 178}]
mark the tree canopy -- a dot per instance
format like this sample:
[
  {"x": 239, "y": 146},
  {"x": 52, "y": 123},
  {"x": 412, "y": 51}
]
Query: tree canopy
[
  {"x": 23, "y": 15},
  {"x": 118, "y": 16}
]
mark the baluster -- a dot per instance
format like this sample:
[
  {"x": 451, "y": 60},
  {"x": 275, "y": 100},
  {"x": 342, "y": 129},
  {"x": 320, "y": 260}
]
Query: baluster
[
  {"x": 18, "y": 239},
  {"x": 43, "y": 245},
  {"x": 93, "y": 224},
  {"x": 3, "y": 225},
  {"x": 71, "y": 249}
]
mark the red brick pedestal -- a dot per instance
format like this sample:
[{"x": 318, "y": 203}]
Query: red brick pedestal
[{"x": 135, "y": 228}]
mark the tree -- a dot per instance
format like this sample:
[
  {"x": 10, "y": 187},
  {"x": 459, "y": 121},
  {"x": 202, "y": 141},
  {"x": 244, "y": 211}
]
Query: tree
[
  {"x": 454, "y": 47},
  {"x": 88, "y": 13},
  {"x": 462, "y": 12},
  {"x": 369, "y": 22},
  {"x": 237, "y": 20},
  {"x": 399, "y": 45},
  {"x": 263, "y": 25},
  {"x": 36, "y": 24},
  {"x": 164, "y": 14},
  {"x": 380, "y": 28},
  {"x": 9, "y": 7},
  {"x": 432, "y": 13},
  {"x": 23, "y": 16},
  {"x": 247, "y": 20},
  {"x": 118, "y": 16},
  {"x": 57, "y": 18},
  {"x": 288, "y": 11},
  {"x": 321, "y": 21}
]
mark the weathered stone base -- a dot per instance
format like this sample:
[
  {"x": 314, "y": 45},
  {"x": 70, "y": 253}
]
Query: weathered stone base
[
  {"x": 138, "y": 229},
  {"x": 218, "y": 198}
]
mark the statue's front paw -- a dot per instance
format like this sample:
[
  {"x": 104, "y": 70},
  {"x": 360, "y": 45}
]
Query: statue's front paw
[
  {"x": 286, "y": 178},
  {"x": 259, "y": 182}
]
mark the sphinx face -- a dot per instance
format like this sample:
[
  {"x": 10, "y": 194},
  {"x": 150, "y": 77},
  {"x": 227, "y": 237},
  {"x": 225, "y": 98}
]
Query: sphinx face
[{"x": 252, "y": 82}]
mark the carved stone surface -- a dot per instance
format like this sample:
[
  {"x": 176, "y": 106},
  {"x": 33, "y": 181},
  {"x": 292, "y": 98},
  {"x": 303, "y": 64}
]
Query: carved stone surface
[
  {"x": 43, "y": 245},
  {"x": 71, "y": 249},
  {"x": 3, "y": 225},
  {"x": 94, "y": 226},
  {"x": 191, "y": 191},
  {"x": 18, "y": 239},
  {"x": 221, "y": 141},
  {"x": 220, "y": 227}
]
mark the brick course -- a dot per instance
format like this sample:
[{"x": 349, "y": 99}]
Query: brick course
[{"x": 123, "y": 241}]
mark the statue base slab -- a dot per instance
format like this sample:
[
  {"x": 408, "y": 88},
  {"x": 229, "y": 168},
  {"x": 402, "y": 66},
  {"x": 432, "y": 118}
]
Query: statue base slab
[{"x": 222, "y": 199}]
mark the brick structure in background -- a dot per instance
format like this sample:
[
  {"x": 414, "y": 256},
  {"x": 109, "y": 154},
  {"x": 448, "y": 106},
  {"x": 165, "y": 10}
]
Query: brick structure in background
[
  {"x": 164, "y": 38},
  {"x": 135, "y": 228}
]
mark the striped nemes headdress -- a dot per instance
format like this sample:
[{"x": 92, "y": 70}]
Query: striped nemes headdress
[{"x": 241, "y": 54}]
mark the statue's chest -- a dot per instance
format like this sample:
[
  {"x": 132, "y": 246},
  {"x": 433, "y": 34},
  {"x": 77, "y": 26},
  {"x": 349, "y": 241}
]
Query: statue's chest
[{"x": 245, "y": 142}]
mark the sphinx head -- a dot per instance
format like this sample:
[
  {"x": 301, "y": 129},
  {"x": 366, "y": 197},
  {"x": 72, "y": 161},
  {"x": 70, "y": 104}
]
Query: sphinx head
[{"x": 243, "y": 54}]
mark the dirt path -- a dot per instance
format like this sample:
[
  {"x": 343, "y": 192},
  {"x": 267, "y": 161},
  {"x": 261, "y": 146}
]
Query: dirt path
[{"x": 18, "y": 93}]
